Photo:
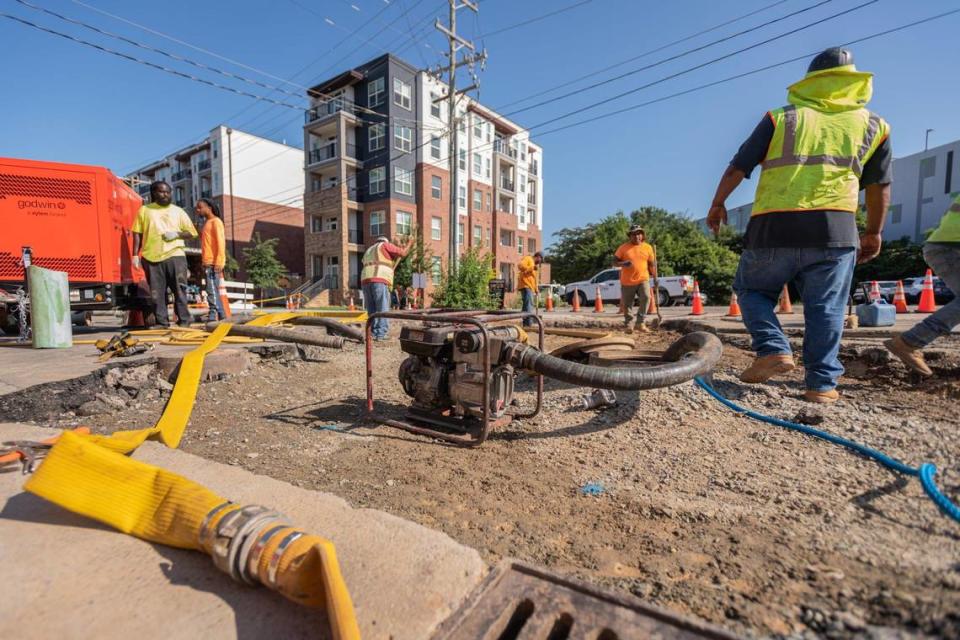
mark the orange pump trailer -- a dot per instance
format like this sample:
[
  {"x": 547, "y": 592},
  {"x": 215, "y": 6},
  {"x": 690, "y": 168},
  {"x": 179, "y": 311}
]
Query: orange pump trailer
[{"x": 74, "y": 218}]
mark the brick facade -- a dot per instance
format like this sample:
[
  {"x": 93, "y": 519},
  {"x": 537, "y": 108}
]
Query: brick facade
[{"x": 250, "y": 217}]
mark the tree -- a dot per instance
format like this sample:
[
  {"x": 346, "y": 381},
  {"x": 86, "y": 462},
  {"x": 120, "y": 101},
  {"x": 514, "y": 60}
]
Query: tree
[
  {"x": 418, "y": 260},
  {"x": 261, "y": 263},
  {"x": 682, "y": 249},
  {"x": 468, "y": 286},
  {"x": 231, "y": 267}
]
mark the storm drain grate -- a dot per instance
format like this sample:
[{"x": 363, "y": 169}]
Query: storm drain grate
[{"x": 519, "y": 602}]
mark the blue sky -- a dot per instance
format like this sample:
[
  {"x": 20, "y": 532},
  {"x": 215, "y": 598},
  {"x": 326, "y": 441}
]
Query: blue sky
[{"x": 66, "y": 102}]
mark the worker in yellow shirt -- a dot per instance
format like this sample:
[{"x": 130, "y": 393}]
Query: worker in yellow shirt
[
  {"x": 637, "y": 263},
  {"x": 159, "y": 230},
  {"x": 529, "y": 283},
  {"x": 213, "y": 255}
]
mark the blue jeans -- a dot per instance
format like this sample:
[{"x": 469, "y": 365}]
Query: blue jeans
[
  {"x": 944, "y": 259},
  {"x": 376, "y": 298},
  {"x": 529, "y": 299},
  {"x": 823, "y": 279},
  {"x": 213, "y": 295}
]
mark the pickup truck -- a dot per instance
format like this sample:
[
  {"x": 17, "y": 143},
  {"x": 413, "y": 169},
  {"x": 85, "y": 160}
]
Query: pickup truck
[{"x": 673, "y": 289}]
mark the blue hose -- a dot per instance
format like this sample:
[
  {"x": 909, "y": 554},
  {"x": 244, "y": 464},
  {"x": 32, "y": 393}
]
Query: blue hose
[{"x": 925, "y": 472}]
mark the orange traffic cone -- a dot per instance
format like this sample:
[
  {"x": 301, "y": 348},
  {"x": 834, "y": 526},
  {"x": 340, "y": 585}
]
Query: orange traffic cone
[
  {"x": 734, "y": 311},
  {"x": 785, "y": 305},
  {"x": 598, "y": 302},
  {"x": 697, "y": 309},
  {"x": 549, "y": 301},
  {"x": 875, "y": 291},
  {"x": 351, "y": 306},
  {"x": 927, "y": 303},
  {"x": 224, "y": 300},
  {"x": 135, "y": 319},
  {"x": 575, "y": 300},
  {"x": 900, "y": 298}
]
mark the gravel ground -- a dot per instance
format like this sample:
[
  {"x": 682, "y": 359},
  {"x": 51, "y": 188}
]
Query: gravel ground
[{"x": 698, "y": 509}]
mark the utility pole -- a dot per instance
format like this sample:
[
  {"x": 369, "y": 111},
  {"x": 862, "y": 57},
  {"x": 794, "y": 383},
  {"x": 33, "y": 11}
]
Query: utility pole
[
  {"x": 233, "y": 227},
  {"x": 926, "y": 139},
  {"x": 456, "y": 43}
]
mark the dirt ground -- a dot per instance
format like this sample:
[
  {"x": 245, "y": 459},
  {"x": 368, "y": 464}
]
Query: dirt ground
[{"x": 698, "y": 509}]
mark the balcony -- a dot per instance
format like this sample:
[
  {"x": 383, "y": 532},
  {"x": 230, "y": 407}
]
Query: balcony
[
  {"x": 507, "y": 184},
  {"x": 503, "y": 148},
  {"x": 531, "y": 199},
  {"x": 533, "y": 168},
  {"x": 329, "y": 152},
  {"x": 322, "y": 111},
  {"x": 206, "y": 193},
  {"x": 143, "y": 190},
  {"x": 180, "y": 175},
  {"x": 203, "y": 165},
  {"x": 355, "y": 236}
]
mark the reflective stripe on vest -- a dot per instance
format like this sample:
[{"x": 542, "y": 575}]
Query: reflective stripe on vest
[
  {"x": 377, "y": 265},
  {"x": 793, "y": 180},
  {"x": 949, "y": 228}
]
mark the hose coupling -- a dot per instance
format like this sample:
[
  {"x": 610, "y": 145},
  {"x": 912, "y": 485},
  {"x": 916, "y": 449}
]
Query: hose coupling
[{"x": 236, "y": 539}]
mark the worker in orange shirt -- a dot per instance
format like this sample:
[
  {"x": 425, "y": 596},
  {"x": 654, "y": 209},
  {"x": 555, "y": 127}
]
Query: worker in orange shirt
[
  {"x": 213, "y": 254},
  {"x": 529, "y": 283},
  {"x": 638, "y": 264}
]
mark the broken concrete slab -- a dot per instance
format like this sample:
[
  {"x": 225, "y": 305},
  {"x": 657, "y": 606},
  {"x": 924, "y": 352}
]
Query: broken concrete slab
[
  {"x": 67, "y": 576},
  {"x": 217, "y": 363}
]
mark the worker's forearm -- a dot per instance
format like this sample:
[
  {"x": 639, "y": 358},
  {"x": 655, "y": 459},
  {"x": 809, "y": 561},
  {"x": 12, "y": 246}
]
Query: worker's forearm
[
  {"x": 136, "y": 244},
  {"x": 878, "y": 200},
  {"x": 730, "y": 180}
]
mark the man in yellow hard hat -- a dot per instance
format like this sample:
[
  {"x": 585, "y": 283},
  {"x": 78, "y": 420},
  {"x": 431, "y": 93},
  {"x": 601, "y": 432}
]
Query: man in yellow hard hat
[
  {"x": 942, "y": 253},
  {"x": 817, "y": 153}
]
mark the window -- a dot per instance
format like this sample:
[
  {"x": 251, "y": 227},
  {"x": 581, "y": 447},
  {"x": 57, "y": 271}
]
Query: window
[
  {"x": 946, "y": 184},
  {"x": 532, "y": 246},
  {"x": 461, "y": 125},
  {"x": 330, "y": 224},
  {"x": 404, "y": 223},
  {"x": 375, "y": 136},
  {"x": 435, "y": 147},
  {"x": 489, "y": 205},
  {"x": 462, "y": 197},
  {"x": 402, "y": 138},
  {"x": 477, "y": 200},
  {"x": 506, "y": 238},
  {"x": 436, "y": 227},
  {"x": 477, "y": 127},
  {"x": 378, "y": 224},
  {"x": 477, "y": 235},
  {"x": 436, "y": 269},
  {"x": 489, "y": 164},
  {"x": 403, "y": 181},
  {"x": 378, "y": 180},
  {"x": 316, "y": 264},
  {"x": 607, "y": 276},
  {"x": 315, "y": 224},
  {"x": 896, "y": 213},
  {"x": 477, "y": 164},
  {"x": 316, "y": 184},
  {"x": 463, "y": 160},
  {"x": 375, "y": 91},
  {"x": 460, "y": 233},
  {"x": 519, "y": 245},
  {"x": 434, "y": 105},
  {"x": 436, "y": 187},
  {"x": 332, "y": 266},
  {"x": 401, "y": 93},
  {"x": 522, "y": 214}
]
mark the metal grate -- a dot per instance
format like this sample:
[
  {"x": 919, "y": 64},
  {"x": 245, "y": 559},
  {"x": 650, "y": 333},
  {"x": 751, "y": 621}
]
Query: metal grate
[
  {"x": 519, "y": 602},
  {"x": 83, "y": 267},
  {"x": 36, "y": 187}
]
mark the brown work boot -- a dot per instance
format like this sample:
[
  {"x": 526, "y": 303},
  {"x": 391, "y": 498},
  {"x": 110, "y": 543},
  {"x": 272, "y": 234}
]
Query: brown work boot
[
  {"x": 821, "y": 397},
  {"x": 627, "y": 328},
  {"x": 643, "y": 328},
  {"x": 766, "y": 367},
  {"x": 910, "y": 356}
]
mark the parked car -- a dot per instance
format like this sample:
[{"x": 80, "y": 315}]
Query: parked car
[
  {"x": 556, "y": 289},
  {"x": 914, "y": 286},
  {"x": 941, "y": 292},
  {"x": 673, "y": 289}
]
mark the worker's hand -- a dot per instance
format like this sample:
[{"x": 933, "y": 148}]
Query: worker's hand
[
  {"x": 170, "y": 236},
  {"x": 870, "y": 244},
  {"x": 136, "y": 262},
  {"x": 716, "y": 217}
]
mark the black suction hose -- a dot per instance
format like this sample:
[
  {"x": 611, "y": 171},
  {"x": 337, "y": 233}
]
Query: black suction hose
[{"x": 695, "y": 354}]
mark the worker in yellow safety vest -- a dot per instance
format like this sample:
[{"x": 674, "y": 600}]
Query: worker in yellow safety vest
[
  {"x": 528, "y": 284},
  {"x": 376, "y": 280},
  {"x": 816, "y": 154},
  {"x": 942, "y": 253}
]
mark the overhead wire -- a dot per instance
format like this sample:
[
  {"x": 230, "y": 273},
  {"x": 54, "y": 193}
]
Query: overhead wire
[{"x": 535, "y": 19}]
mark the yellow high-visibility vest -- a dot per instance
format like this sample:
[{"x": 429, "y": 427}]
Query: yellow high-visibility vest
[
  {"x": 821, "y": 143},
  {"x": 949, "y": 229},
  {"x": 376, "y": 264}
]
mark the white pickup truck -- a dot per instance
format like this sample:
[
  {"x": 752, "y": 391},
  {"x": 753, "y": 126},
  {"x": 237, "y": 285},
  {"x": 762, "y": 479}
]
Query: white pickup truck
[{"x": 673, "y": 289}]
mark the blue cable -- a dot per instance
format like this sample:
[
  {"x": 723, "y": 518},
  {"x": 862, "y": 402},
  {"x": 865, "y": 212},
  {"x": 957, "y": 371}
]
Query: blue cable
[{"x": 925, "y": 472}]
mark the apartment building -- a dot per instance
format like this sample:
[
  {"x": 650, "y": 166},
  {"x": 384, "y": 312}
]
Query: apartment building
[
  {"x": 257, "y": 182},
  {"x": 924, "y": 186},
  {"x": 376, "y": 158}
]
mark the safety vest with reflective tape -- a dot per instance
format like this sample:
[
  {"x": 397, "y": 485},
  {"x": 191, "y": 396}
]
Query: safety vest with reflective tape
[
  {"x": 816, "y": 158},
  {"x": 376, "y": 264},
  {"x": 949, "y": 229}
]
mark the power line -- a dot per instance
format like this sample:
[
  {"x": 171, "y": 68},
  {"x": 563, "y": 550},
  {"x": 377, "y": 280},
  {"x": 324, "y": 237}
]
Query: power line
[
  {"x": 172, "y": 56},
  {"x": 534, "y": 19},
  {"x": 695, "y": 50},
  {"x": 644, "y": 54}
]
